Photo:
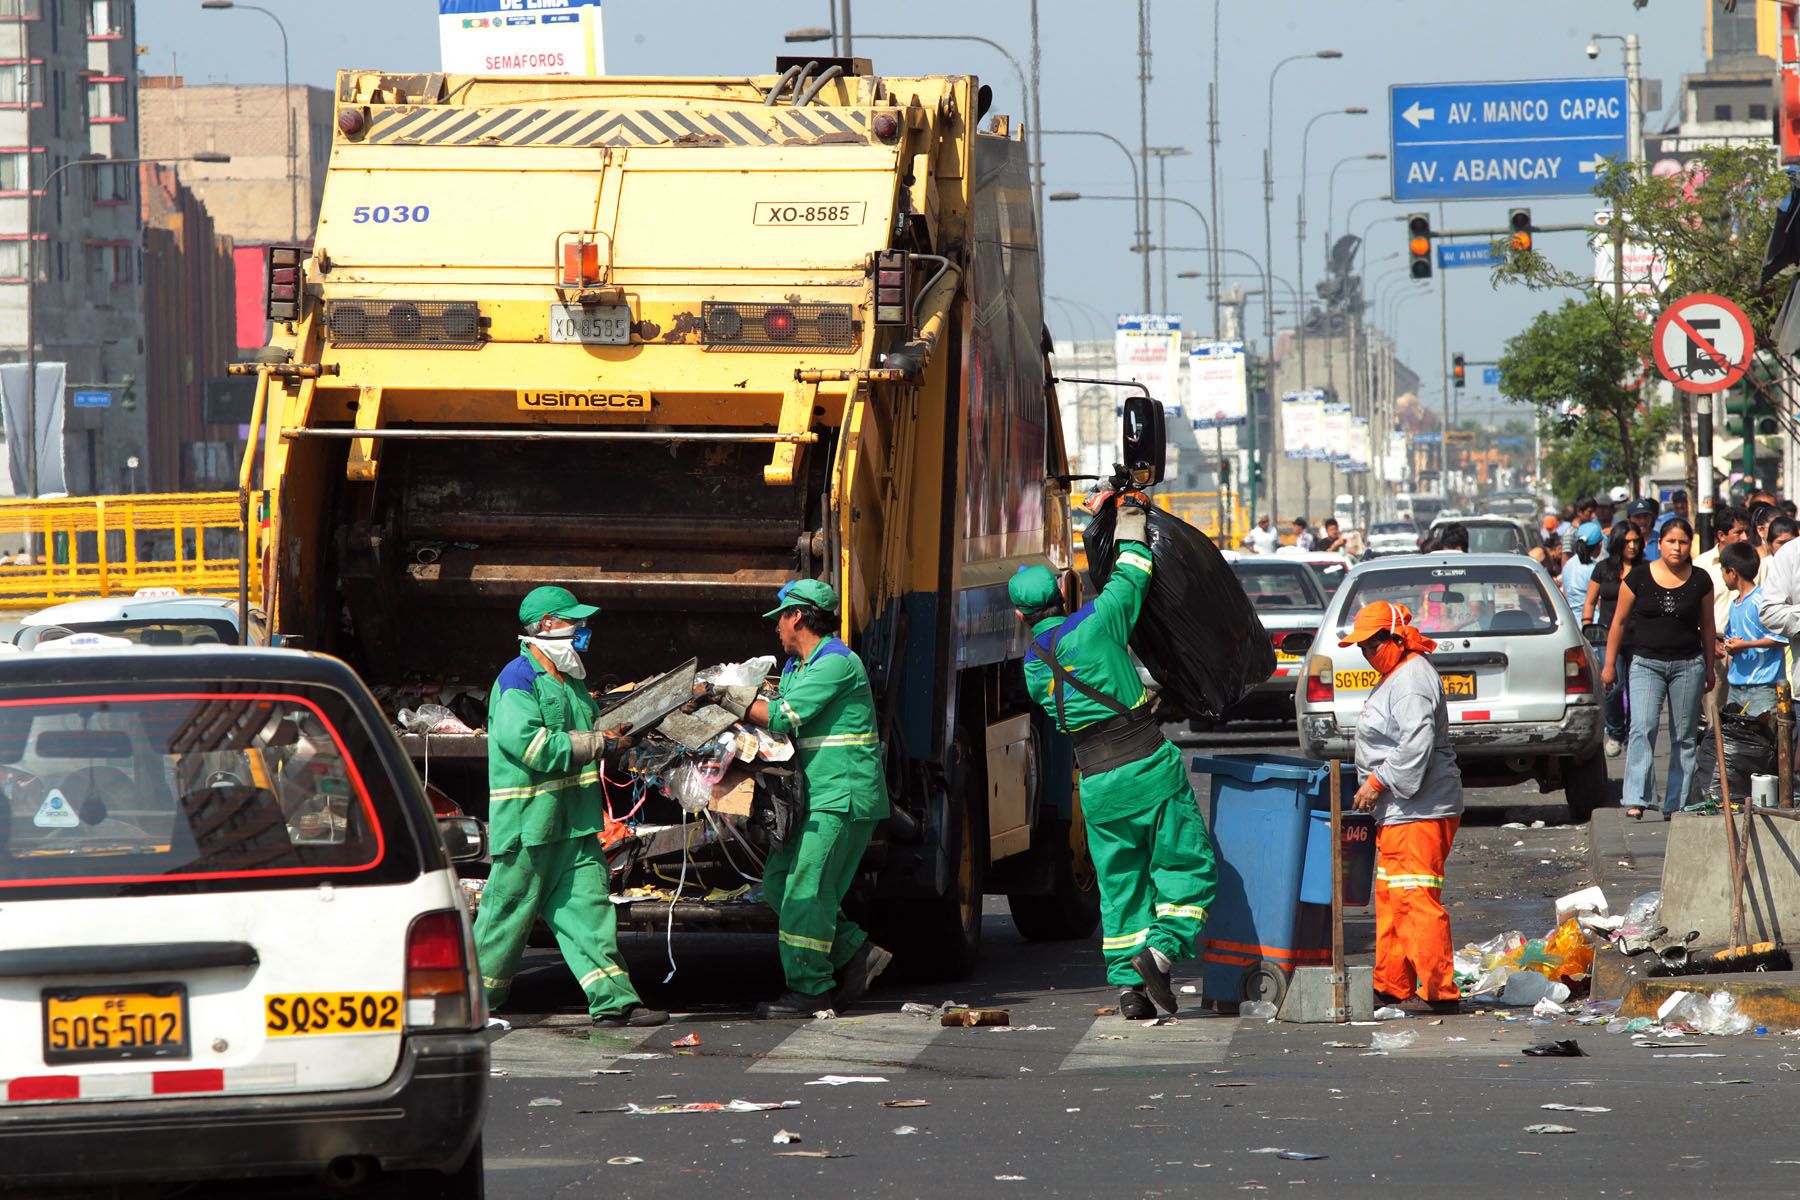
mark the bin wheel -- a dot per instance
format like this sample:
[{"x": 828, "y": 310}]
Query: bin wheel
[{"x": 1265, "y": 981}]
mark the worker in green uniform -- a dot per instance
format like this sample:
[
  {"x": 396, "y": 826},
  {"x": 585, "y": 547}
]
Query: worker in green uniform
[
  {"x": 545, "y": 812},
  {"x": 825, "y": 705},
  {"x": 1151, "y": 852}
]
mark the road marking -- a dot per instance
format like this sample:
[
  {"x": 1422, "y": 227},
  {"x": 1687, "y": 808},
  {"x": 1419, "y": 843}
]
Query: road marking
[
  {"x": 1113, "y": 1044},
  {"x": 858, "y": 1045},
  {"x": 575, "y": 1054}
]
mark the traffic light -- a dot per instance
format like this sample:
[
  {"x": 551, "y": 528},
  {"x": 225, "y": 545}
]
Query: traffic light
[
  {"x": 1458, "y": 372},
  {"x": 1418, "y": 244},
  {"x": 1754, "y": 409},
  {"x": 1519, "y": 219},
  {"x": 1225, "y": 471}
]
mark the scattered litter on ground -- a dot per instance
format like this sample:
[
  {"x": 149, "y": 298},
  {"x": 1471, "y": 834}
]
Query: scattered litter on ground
[
  {"x": 905, "y": 1130},
  {"x": 1009, "y": 1179},
  {"x": 914, "y": 1009},
  {"x": 609, "y": 1071},
  {"x": 1708, "y": 1054},
  {"x": 1548, "y": 1008},
  {"x": 641, "y": 1056},
  {"x": 1021, "y": 1029},
  {"x": 1561, "y": 1048},
  {"x": 1188, "y": 989},
  {"x": 497, "y": 1072},
  {"x": 1580, "y": 1108},
  {"x": 1299, "y": 1156},
  {"x": 1550, "y": 1129},
  {"x": 1235, "y": 1083},
  {"x": 1345, "y": 1045},
  {"x": 1106, "y": 1012},
  {"x": 1269, "y": 1150},
  {"x": 1399, "y": 1039},
  {"x": 809, "y": 1154},
  {"x": 785, "y": 1137},
  {"x": 1258, "y": 1010},
  {"x": 624, "y": 1160},
  {"x": 840, "y": 1080},
  {"x": 969, "y": 1018},
  {"x": 1721, "y": 1082},
  {"x": 906, "y": 1104},
  {"x": 545, "y": 1102},
  {"x": 692, "y": 1039},
  {"x": 1389, "y": 1013},
  {"x": 710, "y": 1106}
]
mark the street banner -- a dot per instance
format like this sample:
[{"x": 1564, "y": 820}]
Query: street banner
[
  {"x": 1216, "y": 385},
  {"x": 521, "y": 37},
  {"x": 1394, "y": 468},
  {"x": 1302, "y": 424},
  {"x": 1645, "y": 272},
  {"x": 1334, "y": 433},
  {"x": 48, "y": 423},
  {"x": 1147, "y": 347},
  {"x": 1359, "y": 444}
]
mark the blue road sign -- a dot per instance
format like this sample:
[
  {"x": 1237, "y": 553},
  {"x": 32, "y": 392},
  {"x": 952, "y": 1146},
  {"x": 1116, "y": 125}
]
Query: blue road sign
[
  {"x": 93, "y": 399},
  {"x": 1490, "y": 376},
  {"x": 1504, "y": 140},
  {"x": 1597, "y": 463},
  {"x": 1467, "y": 254}
]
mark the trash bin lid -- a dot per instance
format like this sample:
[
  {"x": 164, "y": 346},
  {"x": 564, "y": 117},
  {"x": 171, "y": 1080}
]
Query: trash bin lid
[{"x": 1263, "y": 768}]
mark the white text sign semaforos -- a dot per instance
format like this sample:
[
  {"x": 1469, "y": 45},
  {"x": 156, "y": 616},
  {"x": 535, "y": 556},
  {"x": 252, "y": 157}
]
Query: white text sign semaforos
[{"x": 521, "y": 37}]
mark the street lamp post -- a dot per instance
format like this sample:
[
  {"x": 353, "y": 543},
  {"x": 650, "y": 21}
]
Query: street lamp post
[
  {"x": 1139, "y": 209},
  {"x": 1163, "y": 154},
  {"x": 1634, "y": 99},
  {"x": 1062, "y": 197},
  {"x": 287, "y": 96},
  {"x": 1331, "y": 194},
  {"x": 31, "y": 279},
  {"x": 1355, "y": 110}
]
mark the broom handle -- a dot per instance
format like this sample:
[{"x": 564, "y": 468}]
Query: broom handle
[{"x": 1339, "y": 988}]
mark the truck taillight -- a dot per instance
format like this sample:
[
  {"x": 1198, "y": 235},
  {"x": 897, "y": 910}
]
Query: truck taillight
[
  {"x": 780, "y": 325},
  {"x": 1318, "y": 680},
  {"x": 441, "y": 991},
  {"x": 1578, "y": 679},
  {"x": 284, "y": 283},
  {"x": 893, "y": 293},
  {"x": 729, "y": 326},
  {"x": 580, "y": 263}
]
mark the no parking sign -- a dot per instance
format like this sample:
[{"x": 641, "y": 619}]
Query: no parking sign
[{"x": 1703, "y": 343}]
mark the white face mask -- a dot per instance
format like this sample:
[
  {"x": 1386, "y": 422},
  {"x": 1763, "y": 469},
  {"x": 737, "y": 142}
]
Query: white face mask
[{"x": 559, "y": 648}]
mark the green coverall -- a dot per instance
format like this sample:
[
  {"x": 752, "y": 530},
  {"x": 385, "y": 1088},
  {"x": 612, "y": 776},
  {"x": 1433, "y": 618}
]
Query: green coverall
[
  {"x": 544, "y": 817},
  {"x": 1151, "y": 851},
  {"x": 826, "y": 706}
]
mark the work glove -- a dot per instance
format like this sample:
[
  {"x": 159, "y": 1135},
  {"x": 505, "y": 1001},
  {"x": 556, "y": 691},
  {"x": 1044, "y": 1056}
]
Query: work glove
[
  {"x": 736, "y": 700},
  {"x": 585, "y": 745},
  {"x": 1133, "y": 522}
]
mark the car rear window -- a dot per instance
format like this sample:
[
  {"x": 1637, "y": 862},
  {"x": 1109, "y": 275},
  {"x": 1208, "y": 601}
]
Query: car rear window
[
  {"x": 1474, "y": 601},
  {"x": 213, "y": 789},
  {"x": 1275, "y": 585},
  {"x": 164, "y": 633},
  {"x": 1493, "y": 539}
]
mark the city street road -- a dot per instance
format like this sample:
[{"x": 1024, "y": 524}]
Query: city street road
[{"x": 1068, "y": 1103}]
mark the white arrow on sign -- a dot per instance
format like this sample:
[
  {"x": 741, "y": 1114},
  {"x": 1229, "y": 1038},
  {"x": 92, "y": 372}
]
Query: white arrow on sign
[
  {"x": 1414, "y": 114},
  {"x": 1591, "y": 165}
]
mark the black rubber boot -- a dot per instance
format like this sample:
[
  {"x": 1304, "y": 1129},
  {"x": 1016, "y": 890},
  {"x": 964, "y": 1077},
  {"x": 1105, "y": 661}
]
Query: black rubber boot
[
  {"x": 1135, "y": 1006},
  {"x": 1156, "y": 980},
  {"x": 636, "y": 1017},
  {"x": 793, "y": 1006},
  {"x": 868, "y": 962}
]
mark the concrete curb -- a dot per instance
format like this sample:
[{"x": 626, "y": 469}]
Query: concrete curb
[{"x": 1770, "y": 999}]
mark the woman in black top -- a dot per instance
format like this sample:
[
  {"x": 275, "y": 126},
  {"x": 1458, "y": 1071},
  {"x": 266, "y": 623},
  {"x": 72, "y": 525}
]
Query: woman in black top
[
  {"x": 1668, "y": 606},
  {"x": 1624, "y": 551}
]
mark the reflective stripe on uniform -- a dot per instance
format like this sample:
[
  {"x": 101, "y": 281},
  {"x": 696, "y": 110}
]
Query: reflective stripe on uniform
[
  {"x": 839, "y": 739},
  {"x": 804, "y": 943},
  {"x": 588, "y": 774},
  {"x": 494, "y": 984},
  {"x": 1193, "y": 911},
  {"x": 1125, "y": 941},
  {"x": 613, "y": 972},
  {"x": 536, "y": 745},
  {"x": 1128, "y": 558},
  {"x": 787, "y": 710},
  {"x": 1405, "y": 882}
]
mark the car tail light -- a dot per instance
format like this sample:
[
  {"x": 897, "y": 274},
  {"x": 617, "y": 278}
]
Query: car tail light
[
  {"x": 1578, "y": 676},
  {"x": 441, "y": 991},
  {"x": 1318, "y": 680}
]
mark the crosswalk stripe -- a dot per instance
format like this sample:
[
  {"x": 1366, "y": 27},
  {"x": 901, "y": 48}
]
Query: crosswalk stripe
[
  {"x": 856, "y": 1045},
  {"x": 1112, "y": 1043},
  {"x": 550, "y": 1053}
]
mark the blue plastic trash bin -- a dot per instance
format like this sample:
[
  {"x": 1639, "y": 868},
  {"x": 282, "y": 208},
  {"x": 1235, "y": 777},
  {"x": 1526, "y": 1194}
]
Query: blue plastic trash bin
[
  {"x": 1261, "y": 818},
  {"x": 1357, "y": 829}
]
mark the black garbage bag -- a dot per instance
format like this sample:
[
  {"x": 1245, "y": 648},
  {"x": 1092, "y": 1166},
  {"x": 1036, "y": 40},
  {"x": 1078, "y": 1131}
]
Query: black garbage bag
[
  {"x": 1197, "y": 634},
  {"x": 1749, "y": 750}
]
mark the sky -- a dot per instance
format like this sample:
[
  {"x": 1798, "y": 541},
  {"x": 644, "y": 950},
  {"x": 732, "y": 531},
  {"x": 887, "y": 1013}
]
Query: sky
[{"x": 1089, "y": 81}]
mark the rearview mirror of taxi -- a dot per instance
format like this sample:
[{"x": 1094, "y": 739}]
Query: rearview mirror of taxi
[{"x": 83, "y": 743}]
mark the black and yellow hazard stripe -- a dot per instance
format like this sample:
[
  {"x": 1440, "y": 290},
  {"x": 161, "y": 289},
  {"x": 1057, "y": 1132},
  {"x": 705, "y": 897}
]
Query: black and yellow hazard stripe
[{"x": 518, "y": 125}]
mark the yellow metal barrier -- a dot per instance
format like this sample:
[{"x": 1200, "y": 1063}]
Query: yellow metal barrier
[
  {"x": 92, "y": 546},
  {"x": 1199, "y": 509}
]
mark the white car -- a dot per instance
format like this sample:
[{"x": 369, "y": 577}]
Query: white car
[
  {"x": 158, "y": 616},
  {"x": 233, "y": 946}
]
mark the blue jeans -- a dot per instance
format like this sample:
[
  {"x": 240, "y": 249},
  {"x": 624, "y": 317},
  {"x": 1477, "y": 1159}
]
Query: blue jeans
[
  {"x": 1679, "y": 683},
  {"x": 1617, "y": 719}
]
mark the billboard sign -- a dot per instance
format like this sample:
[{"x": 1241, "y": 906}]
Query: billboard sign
[
  {"x": 1147, "y": 347},
  {"x": 520, "y": 37},
  {"x": 1216, "y": 385},
  {"x": 1303, "y": 424}
]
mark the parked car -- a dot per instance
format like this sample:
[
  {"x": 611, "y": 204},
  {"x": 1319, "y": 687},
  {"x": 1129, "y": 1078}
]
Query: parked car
[
  {"x": 1392, "y": 537},
  {"x": 1489, "y": 533},
  {"x": 1523, "y": 685},
  {"x": 157, "y": 616},
  {"x": 1330, "y": 566},
  {"x": 1288, "y": 598},
  {"x": 234, "y": 945}
]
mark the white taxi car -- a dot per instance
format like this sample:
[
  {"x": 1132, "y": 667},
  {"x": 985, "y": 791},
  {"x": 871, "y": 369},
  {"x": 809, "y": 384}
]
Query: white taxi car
[
  {"x": 1523, "y": 685},
  {"x": 232, "y": 945}
]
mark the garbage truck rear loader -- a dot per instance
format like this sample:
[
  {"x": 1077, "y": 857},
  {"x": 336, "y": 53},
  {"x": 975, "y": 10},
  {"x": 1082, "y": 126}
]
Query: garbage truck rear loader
[{"x": 670, "y": 343}]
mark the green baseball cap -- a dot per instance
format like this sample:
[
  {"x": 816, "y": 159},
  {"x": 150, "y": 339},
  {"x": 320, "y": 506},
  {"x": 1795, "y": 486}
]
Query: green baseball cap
[
  {"x": 1033, "y": 587},
  {"x": 553, "y": 602},
  {"x": 803, "y": 593}
]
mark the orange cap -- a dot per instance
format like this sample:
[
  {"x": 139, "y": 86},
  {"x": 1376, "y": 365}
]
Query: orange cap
[{"x": 1378, "y": 616}]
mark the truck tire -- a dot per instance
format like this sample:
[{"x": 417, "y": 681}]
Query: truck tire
[
  {"x": 938, "y": 940},
  {"x": 1070, "y": 910},
  {"x": 1585, "y": 786}
]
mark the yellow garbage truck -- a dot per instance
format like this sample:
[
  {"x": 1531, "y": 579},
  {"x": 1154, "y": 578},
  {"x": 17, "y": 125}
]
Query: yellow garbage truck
[{"x": 670, "y": 342}]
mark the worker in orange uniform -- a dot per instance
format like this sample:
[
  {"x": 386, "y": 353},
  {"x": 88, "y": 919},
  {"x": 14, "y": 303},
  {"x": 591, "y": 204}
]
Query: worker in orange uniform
[{"x": 1411, "y": 782}]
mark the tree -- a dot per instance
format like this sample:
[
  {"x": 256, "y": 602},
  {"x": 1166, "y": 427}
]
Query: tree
[{"x": 1707, "y": 227}]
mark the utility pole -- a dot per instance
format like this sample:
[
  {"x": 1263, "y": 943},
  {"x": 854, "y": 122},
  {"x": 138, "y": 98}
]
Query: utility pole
[
  {"x": 1162, "y": 155},
  {"x": 1444, "y": 362},
  {"x": 1143, "y": 10},
  {"x": 1212, "y": 170},
  {"x": 1037, "y": 136},
  {"x": 844, "y": 26}
]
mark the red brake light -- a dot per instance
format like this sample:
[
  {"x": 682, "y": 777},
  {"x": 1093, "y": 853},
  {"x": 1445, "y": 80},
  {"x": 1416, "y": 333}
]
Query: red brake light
[
  {"x": 1578, "y": 680},
  {"x": 439, "y": 991},
  {"x": 779, "y": 324},
  {"x": 1318, "y": 680}
]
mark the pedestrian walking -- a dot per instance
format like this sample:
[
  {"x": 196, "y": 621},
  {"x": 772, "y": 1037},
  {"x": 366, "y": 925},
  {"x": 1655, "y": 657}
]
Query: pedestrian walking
[
  {"x": 825, "y": 704},
  {"x": 545, "y": 812},
  {"x": 1756, "y": 655},
  {"x": 1624, "y": 553},
  {"x": 1303, "y": 538},
  {"x": 1263, "y": 539},
  {"x": 1578, "y": 567},
  {"x": 1410, "y": 780},
  {"x": 1152, "y": 853},
  {"x": 1669, "y": 604}
]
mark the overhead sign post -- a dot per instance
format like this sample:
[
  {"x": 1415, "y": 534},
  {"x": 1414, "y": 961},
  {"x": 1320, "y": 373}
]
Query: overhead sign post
[
  {"x": 1509, "y": 139},
  {"x": 1703, "y": 343}
]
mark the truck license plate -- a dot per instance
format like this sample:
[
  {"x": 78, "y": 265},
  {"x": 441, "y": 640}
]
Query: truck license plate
[
  {"x": 102, "y": 1024},
  {"x": 591, "y": 324}
]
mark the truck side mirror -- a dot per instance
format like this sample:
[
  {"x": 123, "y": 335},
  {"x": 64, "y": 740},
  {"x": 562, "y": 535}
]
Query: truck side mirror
[{"x": 1146, "y": 440}]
